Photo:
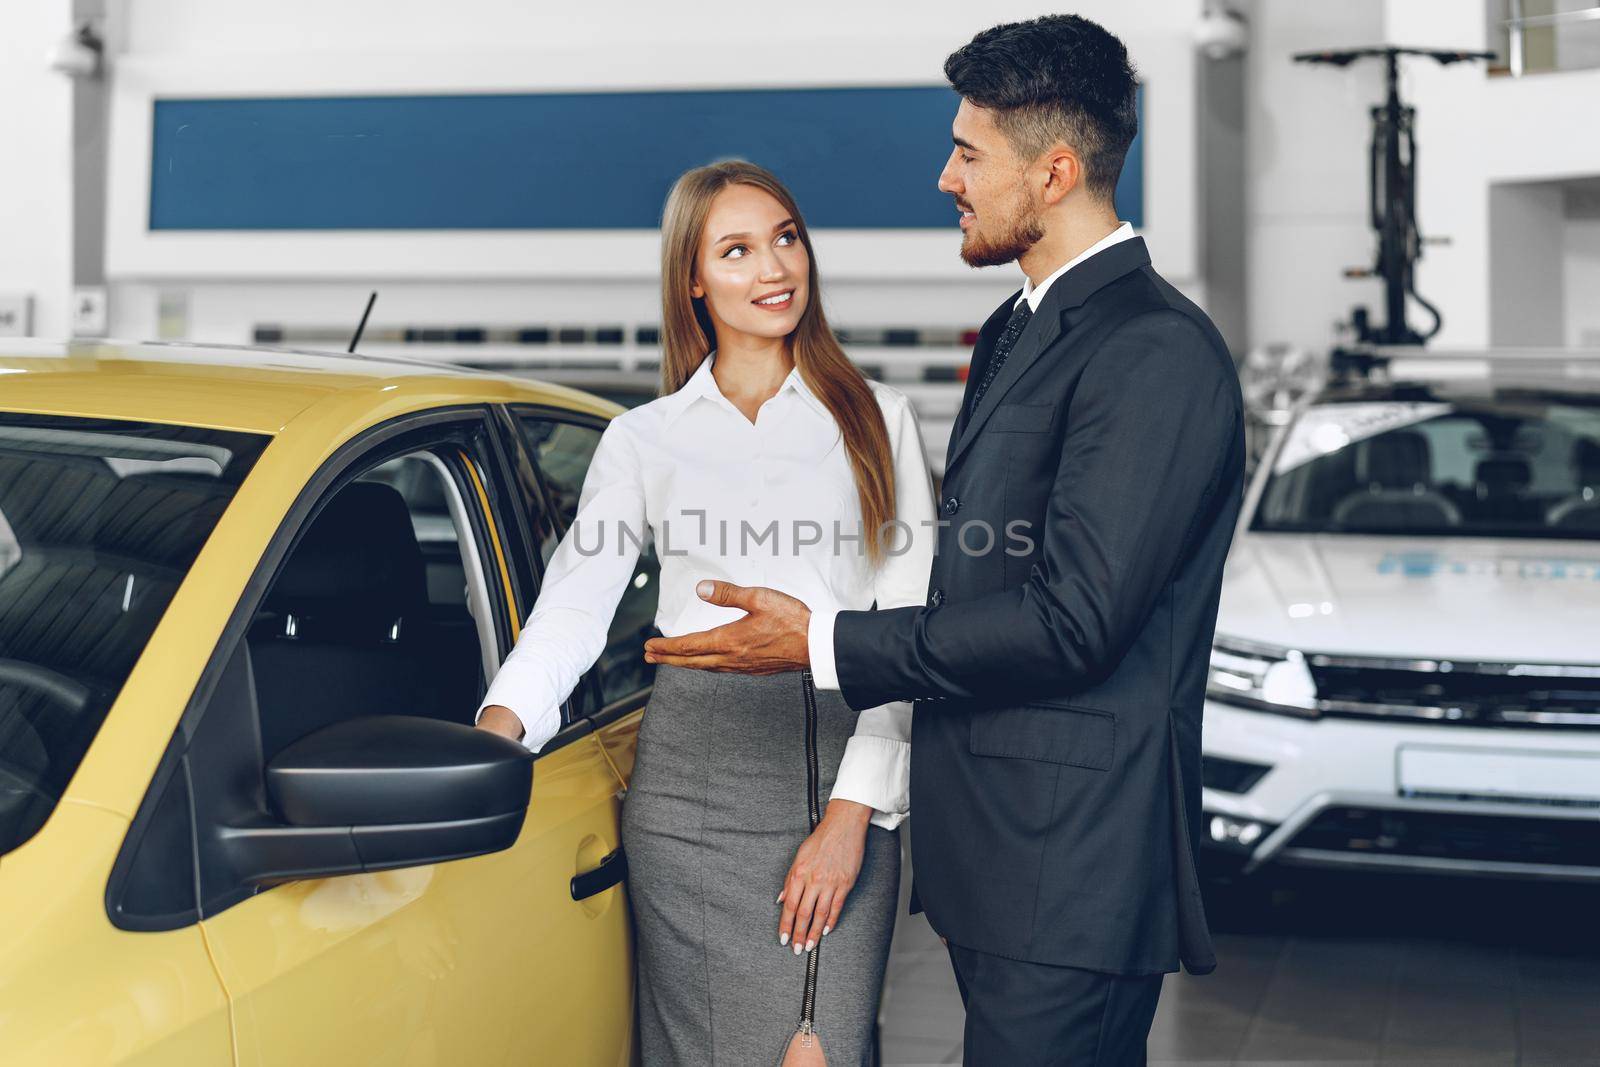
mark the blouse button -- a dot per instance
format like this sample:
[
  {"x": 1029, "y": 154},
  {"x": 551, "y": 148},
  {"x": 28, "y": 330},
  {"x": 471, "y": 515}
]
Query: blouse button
[{"x": 936, "y": 598}]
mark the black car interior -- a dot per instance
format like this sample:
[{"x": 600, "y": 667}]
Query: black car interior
[
  {"x": 90, "y": 556},
  {"x": 1396, "y": 468},
  {"x": 348, "y": 628},
  {"x": 1580, "y": 512},
  {"x": 1488, "y": 472}
]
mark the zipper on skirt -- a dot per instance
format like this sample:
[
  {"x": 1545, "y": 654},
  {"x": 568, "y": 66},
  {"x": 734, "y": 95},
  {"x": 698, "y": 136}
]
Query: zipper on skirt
[{"x": 808, "y": 999}]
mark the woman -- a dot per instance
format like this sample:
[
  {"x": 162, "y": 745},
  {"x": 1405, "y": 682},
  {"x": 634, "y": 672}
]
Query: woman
[{"x": 756, "y": 801}]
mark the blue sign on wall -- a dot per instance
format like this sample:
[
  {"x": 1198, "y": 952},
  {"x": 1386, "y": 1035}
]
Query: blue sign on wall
[{"x": 855, "y": 158}]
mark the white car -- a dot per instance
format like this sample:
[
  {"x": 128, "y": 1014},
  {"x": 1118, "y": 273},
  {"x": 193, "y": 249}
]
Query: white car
[{"x": 1406, "y": 673}]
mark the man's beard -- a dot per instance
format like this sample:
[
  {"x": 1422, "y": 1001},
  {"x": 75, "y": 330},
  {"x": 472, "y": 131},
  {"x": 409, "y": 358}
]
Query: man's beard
[{"x": 1021, "y": 231}]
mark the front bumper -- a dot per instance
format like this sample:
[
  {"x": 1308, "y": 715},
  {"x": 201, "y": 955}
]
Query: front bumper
[{"x": 1333, "y": 797}]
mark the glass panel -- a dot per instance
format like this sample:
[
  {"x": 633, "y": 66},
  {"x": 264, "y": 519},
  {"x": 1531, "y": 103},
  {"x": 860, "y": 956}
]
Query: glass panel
[
  {"x": 1577, "y": 44},
  {"x": 1496, "y": 467},
  {"x": 1555, "y": 35},
  {"x": 563, "y": 452},
  {"x": 373, "y": 611},
  {"x": 100, "y": 522},
  {"x": 622, "y": 666}
]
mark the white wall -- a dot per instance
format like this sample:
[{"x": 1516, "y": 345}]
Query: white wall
[
  {"x": 1526, "y": 290},
  {"x": 1306, "y": 207},
  {"x": 693, "y": 31},
  {"x": 1581, "y": 275},
  {"x": 1306, "y": 184},
  {"x": 231, "y": 280},
  {"x": 36, "y": 164},
  {"x": 1475, "y": 131}
]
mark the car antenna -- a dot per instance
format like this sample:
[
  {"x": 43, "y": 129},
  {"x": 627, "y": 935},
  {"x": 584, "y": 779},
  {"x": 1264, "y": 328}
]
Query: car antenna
[{"x": 373, "y": 299}]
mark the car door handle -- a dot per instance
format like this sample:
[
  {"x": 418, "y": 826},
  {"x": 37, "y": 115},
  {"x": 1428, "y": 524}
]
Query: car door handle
[{"x": 612, "y": 869}]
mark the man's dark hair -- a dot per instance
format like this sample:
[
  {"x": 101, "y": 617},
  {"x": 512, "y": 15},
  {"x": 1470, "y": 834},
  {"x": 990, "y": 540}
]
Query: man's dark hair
[{"x": 1059, "y": 78}]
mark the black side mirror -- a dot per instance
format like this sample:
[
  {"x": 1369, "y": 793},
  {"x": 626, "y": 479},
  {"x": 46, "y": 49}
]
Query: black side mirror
[{"x": 384, "y": 791}]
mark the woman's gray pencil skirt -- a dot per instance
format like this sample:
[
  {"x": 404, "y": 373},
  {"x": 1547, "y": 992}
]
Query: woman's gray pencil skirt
[{"x": 714, "y": 814}]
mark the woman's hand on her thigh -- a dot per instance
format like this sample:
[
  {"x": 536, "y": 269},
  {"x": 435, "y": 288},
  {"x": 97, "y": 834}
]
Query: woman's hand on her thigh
[{"x": 824, "y": 871}]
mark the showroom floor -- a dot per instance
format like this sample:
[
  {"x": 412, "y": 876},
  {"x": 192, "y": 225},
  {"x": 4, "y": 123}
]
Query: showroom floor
[{"x": 1340, "y": 969}]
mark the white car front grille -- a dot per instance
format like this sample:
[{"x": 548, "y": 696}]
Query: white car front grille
[{"x": 1457, "y": 693}]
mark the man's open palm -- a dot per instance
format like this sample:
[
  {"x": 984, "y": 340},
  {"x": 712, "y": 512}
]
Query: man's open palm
[{"x": 770, "y": 638}]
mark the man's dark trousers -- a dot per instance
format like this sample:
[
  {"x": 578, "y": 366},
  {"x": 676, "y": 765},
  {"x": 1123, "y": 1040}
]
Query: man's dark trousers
[
  {"x": 1036, "y": 1013},
  {"x": 1060, "y": 674}
]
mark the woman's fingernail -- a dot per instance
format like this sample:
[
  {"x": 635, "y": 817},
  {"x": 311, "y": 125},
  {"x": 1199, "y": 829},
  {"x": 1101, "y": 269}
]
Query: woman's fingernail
[
  {"x": 797, "y": 948},
  {"x": 811, "y": 944},
  {"x": 783, "y": 939},
  {"x": 780, "y": 897},
  {"x": 705, "y": 589},
  {"x": 825, "y": 930}
]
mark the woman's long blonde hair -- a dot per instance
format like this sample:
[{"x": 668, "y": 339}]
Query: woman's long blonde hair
[{"x": 688, "y": 336}]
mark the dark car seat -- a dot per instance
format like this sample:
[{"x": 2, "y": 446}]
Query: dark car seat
[
  {"x": 1501, "y": 482},
  {"x": 1580, "y": 513},
  {"x": 1396, "y": 469},
  {"x": 86, "y": 585},
  {"x": 346, "y": 629}
]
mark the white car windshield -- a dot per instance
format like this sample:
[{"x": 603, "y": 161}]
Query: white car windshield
[{"x": 1507, "y": 464}]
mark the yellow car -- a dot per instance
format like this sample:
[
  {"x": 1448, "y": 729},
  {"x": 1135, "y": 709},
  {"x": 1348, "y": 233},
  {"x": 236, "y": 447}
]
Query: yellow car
[{"x": 249, "y": 602}]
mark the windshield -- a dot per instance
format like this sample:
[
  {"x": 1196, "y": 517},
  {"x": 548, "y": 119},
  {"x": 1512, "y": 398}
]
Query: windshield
[
  {"x": 1496, "y": 466},
  {"x": 99, "y": 523}
]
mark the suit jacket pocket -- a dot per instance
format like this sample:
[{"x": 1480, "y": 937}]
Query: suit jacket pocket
[
  {"x": 1077, "y": 737},
  {"x": 1022, "y": 418}
]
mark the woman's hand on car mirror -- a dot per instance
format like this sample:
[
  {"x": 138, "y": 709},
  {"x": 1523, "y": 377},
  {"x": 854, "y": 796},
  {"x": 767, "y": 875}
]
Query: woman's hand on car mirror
[{"x": 498, "y": 719}]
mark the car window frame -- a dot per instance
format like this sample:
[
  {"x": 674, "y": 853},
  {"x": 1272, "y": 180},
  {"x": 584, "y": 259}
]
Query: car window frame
[
  {"x": 473, "y": 561},
  {"x": 518, "y": 412},
  {"x": 604, "y": 714},
  {"x": 543, "y": 499},
  {"x": 347, "y": 463}
]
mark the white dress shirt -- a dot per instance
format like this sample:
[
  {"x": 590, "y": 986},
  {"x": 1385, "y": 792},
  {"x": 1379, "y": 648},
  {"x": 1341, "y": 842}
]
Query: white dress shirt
[
  {"x": 819, "y": 637},
  {"x": 770, "y": 503},
  {"x": 1035, "y": 295}
]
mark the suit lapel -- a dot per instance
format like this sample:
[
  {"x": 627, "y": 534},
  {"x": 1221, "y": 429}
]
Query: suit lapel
[
  {"x": 1054, "y": 317},
  {"x": 982, "y": 352},
  {"x": 1038, "y": 335}
]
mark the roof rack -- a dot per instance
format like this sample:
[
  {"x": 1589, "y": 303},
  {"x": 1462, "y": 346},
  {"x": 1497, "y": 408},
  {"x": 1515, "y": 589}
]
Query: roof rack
[{"x": 1389, "y": 363}]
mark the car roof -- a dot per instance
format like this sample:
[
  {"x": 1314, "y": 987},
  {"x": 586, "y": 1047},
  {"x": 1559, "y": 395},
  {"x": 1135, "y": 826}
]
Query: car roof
[
  {"x": 1578, "y": 393},
  {"x": 241, "y": 388},
  {"x": 1565, "y": 375}
]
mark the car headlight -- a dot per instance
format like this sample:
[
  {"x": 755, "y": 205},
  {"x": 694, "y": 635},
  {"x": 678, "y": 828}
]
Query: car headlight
[{"x": 1261, "y": 677}]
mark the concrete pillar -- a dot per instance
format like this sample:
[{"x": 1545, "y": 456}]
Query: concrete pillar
[{"x": 36, "y": 178}]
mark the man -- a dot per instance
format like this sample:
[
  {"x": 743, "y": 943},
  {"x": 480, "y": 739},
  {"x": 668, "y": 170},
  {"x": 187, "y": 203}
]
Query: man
[{"x": 1059, "y": 664}]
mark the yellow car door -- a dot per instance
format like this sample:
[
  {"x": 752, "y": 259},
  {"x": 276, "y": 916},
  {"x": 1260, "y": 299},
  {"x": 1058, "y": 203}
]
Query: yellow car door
[{"x": 391, "y": 590}]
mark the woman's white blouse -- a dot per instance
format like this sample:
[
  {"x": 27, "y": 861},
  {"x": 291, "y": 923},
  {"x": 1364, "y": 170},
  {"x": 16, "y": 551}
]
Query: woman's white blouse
[{"x": 770, "y": 503}]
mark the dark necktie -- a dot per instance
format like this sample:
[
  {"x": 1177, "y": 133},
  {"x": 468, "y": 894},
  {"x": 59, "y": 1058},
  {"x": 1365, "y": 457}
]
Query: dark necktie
[{"x": 1002, "y": 349}]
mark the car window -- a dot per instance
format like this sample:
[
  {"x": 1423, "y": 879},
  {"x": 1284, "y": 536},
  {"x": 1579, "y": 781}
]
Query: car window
[
  {"x": 563, "y": 451},
  {"x": 382, "y": 607},
  {"x": 455, "y": 577},
  {"x": 1497, "y": 466},
  {"x": 100, "y": 522}
]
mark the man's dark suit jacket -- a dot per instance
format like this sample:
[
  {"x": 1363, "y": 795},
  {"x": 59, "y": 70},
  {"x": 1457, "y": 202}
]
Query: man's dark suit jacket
[{"x": 1059, "y": 677}]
